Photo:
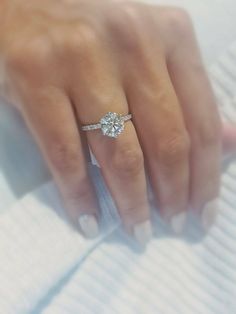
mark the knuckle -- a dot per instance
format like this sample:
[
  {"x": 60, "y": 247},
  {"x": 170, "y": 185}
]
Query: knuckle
[
  {"x": 129, "y": 13},
  {"x": 174, "y": 150},
  {"x": 29, "y": 56},
  {"x": 128, "y": 162},
  {"x": 80, "y": 192},
  {"x": 82, "y": 40},
  {"x": 208, "y": 134},
  {"x": 64, "y": 157},
  {"x": 197, "y": 66},
  {"x": 124, "y": 25},
  {"x": 176, "y": 195},
  {"x": 155, "y": 92},
  {"x": 135, "y": 211},
  {"x": 179, "y": 22}
]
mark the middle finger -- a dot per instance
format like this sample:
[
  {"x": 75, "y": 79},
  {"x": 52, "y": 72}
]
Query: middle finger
[{"x": 159, "y": 122}]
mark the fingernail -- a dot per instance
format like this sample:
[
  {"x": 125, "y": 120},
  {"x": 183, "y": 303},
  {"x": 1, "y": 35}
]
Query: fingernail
[
  {"x": 143, "y": 232},
  {"x": 89, "y": 225},
  {"x": 178, "y": 221},
  {"x": 209, "y": 213}
]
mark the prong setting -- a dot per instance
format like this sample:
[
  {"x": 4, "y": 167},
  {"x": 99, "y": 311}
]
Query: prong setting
[{"x": 111, "y": 124}]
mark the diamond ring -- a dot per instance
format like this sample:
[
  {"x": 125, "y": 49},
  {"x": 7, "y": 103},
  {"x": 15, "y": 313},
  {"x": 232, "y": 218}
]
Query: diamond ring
[{"x": 112, "y": 124}]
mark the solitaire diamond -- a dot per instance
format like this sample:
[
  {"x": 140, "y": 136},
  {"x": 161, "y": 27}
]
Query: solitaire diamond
[{"x": 112, "y": 124}]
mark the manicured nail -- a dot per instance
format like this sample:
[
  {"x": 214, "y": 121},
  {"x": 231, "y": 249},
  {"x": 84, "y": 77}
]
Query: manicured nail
[
  {"x": 178, "y": 221},
  {"x": 209, "y": 213},
  {"x": 143, "y": 232},
  {"x": 89, "y": 225}
]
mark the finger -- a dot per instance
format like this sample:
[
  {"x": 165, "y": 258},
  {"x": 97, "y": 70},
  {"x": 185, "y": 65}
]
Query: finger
[
  {"x": 51, "y": 119},
  {"x": 202, "y": 119},
  {"x": 120, "y": 159},
  {"x": 122, "y": 165},
  {"x": 160, "y": 127},
  {"x": 229, "y": 139}
]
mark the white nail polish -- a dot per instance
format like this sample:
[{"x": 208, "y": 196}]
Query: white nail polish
[
  {"x": 89, "y": 225},
  {"x": 143, "y": 232},
  {"x": 209, "y": 213},
  {"x": 178, "y": 221}
]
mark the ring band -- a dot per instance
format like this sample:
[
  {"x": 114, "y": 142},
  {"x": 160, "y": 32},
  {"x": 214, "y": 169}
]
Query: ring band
[{"x": 111, "y": 124}]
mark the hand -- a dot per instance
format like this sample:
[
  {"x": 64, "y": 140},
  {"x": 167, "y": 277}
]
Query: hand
[{"x": 67, "y": 63}]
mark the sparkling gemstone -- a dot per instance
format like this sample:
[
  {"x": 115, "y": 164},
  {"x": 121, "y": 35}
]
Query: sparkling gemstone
[{"x": 112, "y": 124}]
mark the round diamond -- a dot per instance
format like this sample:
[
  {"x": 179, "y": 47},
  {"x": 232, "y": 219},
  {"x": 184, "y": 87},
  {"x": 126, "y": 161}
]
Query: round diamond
[{"x": 112, "y": 124}]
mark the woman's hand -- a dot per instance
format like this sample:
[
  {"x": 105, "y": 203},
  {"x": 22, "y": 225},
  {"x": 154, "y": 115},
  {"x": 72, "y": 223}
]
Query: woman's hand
[{"x": 70, "y": 62}]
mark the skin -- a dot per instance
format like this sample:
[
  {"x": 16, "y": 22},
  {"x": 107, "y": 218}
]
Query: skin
[{"x": 67, "y": 63}]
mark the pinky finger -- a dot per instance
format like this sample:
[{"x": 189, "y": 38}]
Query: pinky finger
[{"x": 229, "y": 139}]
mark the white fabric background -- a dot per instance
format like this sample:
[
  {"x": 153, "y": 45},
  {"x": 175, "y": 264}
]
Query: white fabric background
[{"x": 45, "y": 267}]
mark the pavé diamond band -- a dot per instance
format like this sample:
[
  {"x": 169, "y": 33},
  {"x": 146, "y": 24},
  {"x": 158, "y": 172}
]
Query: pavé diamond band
[{"x": 112, "y": 124}]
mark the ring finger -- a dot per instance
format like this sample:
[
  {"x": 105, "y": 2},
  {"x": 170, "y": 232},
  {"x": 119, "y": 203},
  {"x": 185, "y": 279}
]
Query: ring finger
[{"x": 120, "y": 159}]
